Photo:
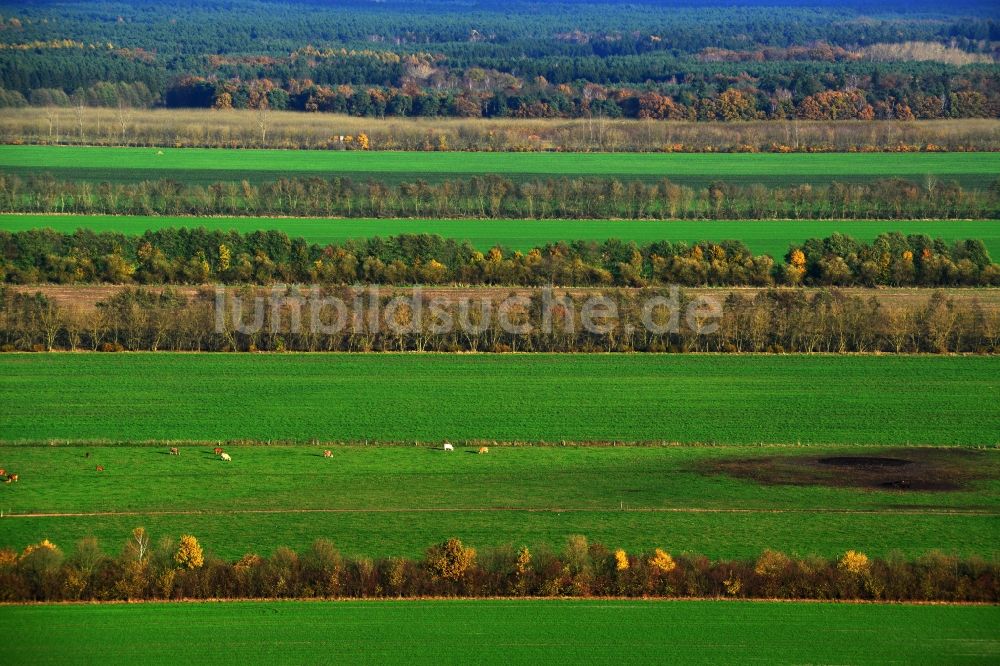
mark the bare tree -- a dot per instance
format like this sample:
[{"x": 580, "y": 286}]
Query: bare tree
[
  {"x": 52, "y": 116},
  {"x": 124, "y": 119},
  {"x": 50, "y": 321},
  {"x": 263, "y": 118},
  {"x": 79, "y": 110},
  {"x": 74, "y": 324},
  {"x": 139, "y": 544}
]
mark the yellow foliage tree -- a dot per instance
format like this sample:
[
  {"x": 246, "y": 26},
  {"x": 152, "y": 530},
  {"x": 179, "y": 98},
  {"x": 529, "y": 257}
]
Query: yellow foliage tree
[
  {"x": 733, "y": 585},
  {"x": 8, "y": 557},
  {"x": 523, "y": 561},
  {"x": 621, "y": 560},
  {"x": 854, "y": 562},
  {"x": 223, "y": 102},
  {"x": 225, "y": 257},
  {"x": 189, "y": 554},
  {"x": 798, "y": 259},
  {"x": 662, "y": 561},
  {"x": 450, "y": 560},
  {"x": 44, "y": 544},
  {"x": 771, "y": 563},
  {"x": 364, "y": 143}
]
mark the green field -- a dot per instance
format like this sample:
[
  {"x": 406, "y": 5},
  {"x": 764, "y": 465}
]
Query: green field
[
  {"x": 394, "y": 533},
  {"x": 392, "y": 397},
  {"x": 390, "y": 501},
  {"x": 376, "y": 501},
  {"x": 506, "y": 631},
  {"x": 762, "y": 237},
  {"x": 208, "y": 165}
]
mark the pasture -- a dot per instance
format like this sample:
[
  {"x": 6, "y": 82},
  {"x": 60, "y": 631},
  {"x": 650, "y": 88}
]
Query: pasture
[
  {"x": 771, "y": 237},
  {"x": 205, "y": 165},
  {"x": 725, "y": 502},
  {"x": 502, "y": 631},
  {"x": 730, "y": 399}
]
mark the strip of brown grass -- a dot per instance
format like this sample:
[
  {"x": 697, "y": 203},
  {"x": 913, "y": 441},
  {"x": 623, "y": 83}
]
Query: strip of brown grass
[{"x": 297, "y": 130}]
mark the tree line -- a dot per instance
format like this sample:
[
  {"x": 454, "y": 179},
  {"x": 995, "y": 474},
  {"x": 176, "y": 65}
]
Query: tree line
[
  {"x": 492, "y": 196},
  {"x": 480, "y": 93},
  {"x": 199, "y": 256},
  {"x": 769, "y": 321},
  {"x": 171, "y": 569},
  {"x": 511, "y": 98}
]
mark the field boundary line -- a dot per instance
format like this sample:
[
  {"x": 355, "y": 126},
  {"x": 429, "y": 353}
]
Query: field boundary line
[
  {"x": 557, "y": 510},
  {"x": 499, "y": 598}
]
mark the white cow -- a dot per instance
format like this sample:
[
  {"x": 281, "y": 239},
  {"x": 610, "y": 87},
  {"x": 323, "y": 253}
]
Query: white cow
[
  {"x": 448, "y": 447},
  {"x": 225, "y": 456}
]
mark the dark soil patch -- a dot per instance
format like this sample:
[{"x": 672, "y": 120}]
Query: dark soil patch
[
  {"x": 901, "y": 470},
  {"x": 864, "y": 462}
]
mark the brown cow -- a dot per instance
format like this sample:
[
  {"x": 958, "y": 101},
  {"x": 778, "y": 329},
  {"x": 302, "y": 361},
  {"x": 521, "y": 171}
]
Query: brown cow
[
  {"x": 100, "y": 468},
  {"x": 174, "y": 451},
  {"x": 484, "y": 449},
  {"x": 328, "y": 454},
  {"x": 3, "y": 472},
  {"x": 218, "y": 450},
  {"x": 12, "y": 478}
]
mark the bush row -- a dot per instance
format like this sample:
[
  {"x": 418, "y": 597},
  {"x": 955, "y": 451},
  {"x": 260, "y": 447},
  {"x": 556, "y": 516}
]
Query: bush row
[{"x": 183, "y": 570}]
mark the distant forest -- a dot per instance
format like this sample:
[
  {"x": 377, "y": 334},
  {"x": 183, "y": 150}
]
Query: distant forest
[{"x": 686, "y": 60}]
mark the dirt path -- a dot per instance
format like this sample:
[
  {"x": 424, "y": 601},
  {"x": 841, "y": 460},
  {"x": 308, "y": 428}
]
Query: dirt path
[{"x": 557, "y": 510}]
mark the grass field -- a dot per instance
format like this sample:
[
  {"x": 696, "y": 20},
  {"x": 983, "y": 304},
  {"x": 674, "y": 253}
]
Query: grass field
[
  {"x": 397, "y": 501},
  {"x": 376, "y": 501},
  {"x": 762, "y": 237},
  {"x": 724, "y": 399},
  {"x": 208, "y": 165},
  {"x": 504, "y": 631},
  {"x": 395, "y": 533}
]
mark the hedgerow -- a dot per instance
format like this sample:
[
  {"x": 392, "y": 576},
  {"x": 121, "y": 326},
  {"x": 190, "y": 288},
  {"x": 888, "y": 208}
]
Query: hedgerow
[{"x": 44, "y": 572}]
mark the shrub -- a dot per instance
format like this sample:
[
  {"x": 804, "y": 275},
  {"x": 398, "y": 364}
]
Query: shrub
[
  {"x": 450, "y": 560},
  {"x": 577, "y": 553},
  {"x": 662, "y": 561},
  {"x": 44, "y": 544},
  {"x": 8, "y": 557},
  {"x": 523, "y": 564},
  {"x": 771, "y": 564},
  {"x": 621, "y": 560},
  {"x": 854, "y": 562}
]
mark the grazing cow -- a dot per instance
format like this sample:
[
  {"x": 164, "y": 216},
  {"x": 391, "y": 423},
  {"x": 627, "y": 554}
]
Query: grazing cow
[
  {"x": 448, "y": 447},
  {"x": 225, "y": 456},
  {"x": 11, "y": 478},
  {"x": 174, "y": 451},
  {"x": 3, "y": 472},
  {"x": 218, "y": 450},
  {"x": 328, "y": 454},
  {"x": 484, "y": 449},
  {"x": 100, "y": 468}
]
